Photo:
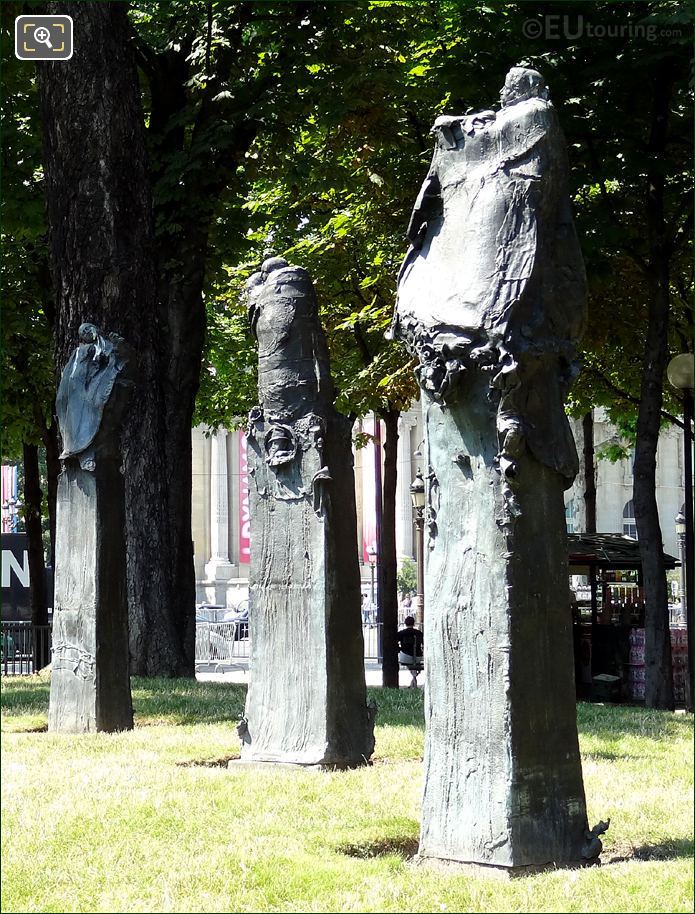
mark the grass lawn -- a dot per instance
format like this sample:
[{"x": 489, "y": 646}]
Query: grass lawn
[{"x": 152, "y": 820}]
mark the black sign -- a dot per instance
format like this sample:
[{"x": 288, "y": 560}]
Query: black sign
[{"x": 16, "y": 592}]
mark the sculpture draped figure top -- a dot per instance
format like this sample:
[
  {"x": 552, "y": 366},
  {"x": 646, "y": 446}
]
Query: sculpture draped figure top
[
  {"x": 293, "y": 367},
  {"x": 494, "y": 277},
  {"x": 90, "y": 684},
  {"x": 97, "y": 366},
  {"x": 491, "y": 300},
  {"x": 307, "y": 701}
]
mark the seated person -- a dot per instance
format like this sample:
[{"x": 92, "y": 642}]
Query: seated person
[
  {"x": 410, "y": 644},
  {"x": 241, "y": 618}
]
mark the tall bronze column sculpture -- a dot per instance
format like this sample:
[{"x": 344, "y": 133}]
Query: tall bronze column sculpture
[
  {"x": 491, "y": 300},
  {"x": 90, "y": 685},
  {"x": 307, "y": 699}
]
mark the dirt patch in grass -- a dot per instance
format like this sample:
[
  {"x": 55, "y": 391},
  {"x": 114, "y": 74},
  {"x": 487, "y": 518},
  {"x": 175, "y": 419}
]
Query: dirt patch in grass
[
  {"x": 405, "y": 847},
  {"x": 208, "y": 762},
  {"x": 668, "y": 850},
  {"x": 386, "y": 760},
  {"x": 18, "y": 727}
]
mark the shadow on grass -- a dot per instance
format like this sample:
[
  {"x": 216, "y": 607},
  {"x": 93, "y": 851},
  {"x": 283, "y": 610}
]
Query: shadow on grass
[
  {"x": 155, "y": 701},
  {"x": 209, "y": 762},
  {"x": 24, "y": 694},
  {"x": 667, "y": 850},
  {"x": 611, "y": 721},
  {"x": 398, "y": 707},
  {"x": 606, "y": 756},
  {"x": 406, "y": 847},
  {"x": 185, "y": 701}
]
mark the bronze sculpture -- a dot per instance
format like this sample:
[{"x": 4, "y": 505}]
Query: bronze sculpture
[
  {"x": 90, "y": 684},
  {"x": 492, "y": 301},
  {"x": 307, "y": 700}
]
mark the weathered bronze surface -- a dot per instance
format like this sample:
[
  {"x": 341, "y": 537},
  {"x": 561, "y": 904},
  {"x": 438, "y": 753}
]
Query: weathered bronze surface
[
  {"x": 492, "y": 301},
  {"x": 90, "y": 685},
  {"x": 307, "y": 700}
]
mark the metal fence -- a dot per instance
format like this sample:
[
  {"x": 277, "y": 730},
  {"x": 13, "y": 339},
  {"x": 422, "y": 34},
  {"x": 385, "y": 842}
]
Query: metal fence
[
  {"x": 226, "y": 645},
  {"x": 26, "y": 648},
  {"x": 221, "y": 645},
  {"x": 371, "y": 632}
]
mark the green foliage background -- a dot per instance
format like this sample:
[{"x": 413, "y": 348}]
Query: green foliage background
[{"x": 341, "y": 97}]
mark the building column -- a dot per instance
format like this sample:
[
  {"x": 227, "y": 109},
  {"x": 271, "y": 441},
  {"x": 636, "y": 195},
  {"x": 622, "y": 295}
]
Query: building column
[
  {"x": 219, "y": 568},
  {"x": 359, "y": 495},
  {"x": 404, "y": 506}
]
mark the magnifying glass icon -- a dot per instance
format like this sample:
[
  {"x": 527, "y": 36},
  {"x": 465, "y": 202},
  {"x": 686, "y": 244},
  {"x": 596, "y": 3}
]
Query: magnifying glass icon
[{"x": 43, "y": 36}]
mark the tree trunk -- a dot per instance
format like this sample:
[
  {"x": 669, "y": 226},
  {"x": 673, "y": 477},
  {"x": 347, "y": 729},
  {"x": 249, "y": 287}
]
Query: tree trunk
[
  {"x": 389, "y": 567},
  {"x": 180, "y": 256},
  {"x": 659, "y": 677},
  {"x": 659, "y": 681},
  {"x": 185, "y": 357},
  {"x": 102, "y": 256},
  {"x": 181, "y": 272},
  {"x": 52, "y": 447},
  {"x": 589, "y": 473},
  {"x": 37, "y": 567}
]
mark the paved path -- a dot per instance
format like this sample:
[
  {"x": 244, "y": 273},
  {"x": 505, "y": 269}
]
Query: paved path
[{"x": 372, "y": 673}]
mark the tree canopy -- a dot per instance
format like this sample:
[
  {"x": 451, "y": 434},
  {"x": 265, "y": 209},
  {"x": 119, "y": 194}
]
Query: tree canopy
[
  {"x": 334, "y": 188},
  {"x": 302, "y": 129},
  {"x": 27, "y": 313},
  {"x": 337, "y": 100}
]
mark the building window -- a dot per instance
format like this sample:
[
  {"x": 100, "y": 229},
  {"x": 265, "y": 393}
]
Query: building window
[
  {"x": 629, "y": 525},
  {"x": 570, "y": 515}
]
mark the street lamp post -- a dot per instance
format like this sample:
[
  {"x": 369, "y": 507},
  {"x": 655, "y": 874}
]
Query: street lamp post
[
  {"x": 417, "y": 495},
  {"x": 374, "y": 614},
  {"x": 371, "y": 552},
  {"x": 680, "y": 371},
  {"x": 680, "y": 535}
]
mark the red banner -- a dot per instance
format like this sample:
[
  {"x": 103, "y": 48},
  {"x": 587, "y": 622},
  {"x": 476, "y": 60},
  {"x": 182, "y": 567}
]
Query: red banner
[{"x": 244, "y": 514}]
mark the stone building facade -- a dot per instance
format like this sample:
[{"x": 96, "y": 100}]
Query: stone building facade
[
  {"x": 614, "y": 484},
  {"x": 220, "y": 499}
]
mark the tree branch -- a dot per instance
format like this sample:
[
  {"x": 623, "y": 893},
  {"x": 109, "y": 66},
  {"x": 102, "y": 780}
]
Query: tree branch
[
  {"x": 361, "y": 341},
  {"x": 624, "y": 395},
  {"x": 686, "y": 298},
  {"x": 682, "y": 232},
  {"x": 610, "y": 212},
  {"x": 145, "y": 56},
  {"x": 208, "y": 38},
  {"x": 417, "y": 130}
]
